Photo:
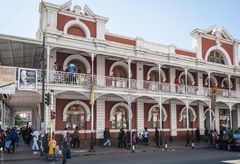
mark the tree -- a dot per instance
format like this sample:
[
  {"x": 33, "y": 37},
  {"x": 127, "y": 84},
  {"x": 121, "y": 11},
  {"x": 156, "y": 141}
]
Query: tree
[{"x": 18, "y": 119}]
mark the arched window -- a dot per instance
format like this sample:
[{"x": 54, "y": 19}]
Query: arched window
[
  {"x": 119, "y": 118},
  {"x": 80, "y": 67},
  {"x": 76, "y": 117},
  {"x": 216, "y": 57},
  {"x": 191, "y": 116},
  {"x": 154, "y": 76},
  {"x": 118, "y": 71}
]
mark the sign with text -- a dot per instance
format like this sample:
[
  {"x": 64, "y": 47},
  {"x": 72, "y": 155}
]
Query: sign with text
[
  {"x": 27, "y": 79},
  {"x": 7, "y": 80}
]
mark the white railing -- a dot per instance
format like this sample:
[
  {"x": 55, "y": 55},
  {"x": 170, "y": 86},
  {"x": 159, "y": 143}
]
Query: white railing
[
  {"x": 107, "y": 81},
  {"x": 60, "y": 77},
  {"x": 227, "y": 93},
  {"x": 223, "y": 92}
]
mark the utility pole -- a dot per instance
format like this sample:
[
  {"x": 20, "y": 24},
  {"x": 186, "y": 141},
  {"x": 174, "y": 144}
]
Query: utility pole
[{"x": 43, "y": 77}]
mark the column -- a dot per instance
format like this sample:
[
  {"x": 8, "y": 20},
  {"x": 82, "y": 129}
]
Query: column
[
  {"x": 100, "y": 118},
  {"x": 201, "y": 118},
  {"x": 235, "y": 54},
  {"x": 238, "y": 116},
  {"x": 100, "y": 70},
  {"x": 200, "y": 83},
  {"x": 173, "y": 121},
  {"x": 140, "y": 116},
  {"x": 159, "y": 75},
  {"x": 129, "y": 73},
  {"x": 172, "y": 79},
  {"x": 48, "y": 62},
  {"x": 186, "y": 84},
  {"x": 54, "y": 109},
  {"x": 216, "y": 125},
  {"x": 235, "y": 119},
  {"x": 139, "y": 82},
  {"x": 229, "y": 85},
  {"x": 237, "y": 86}
]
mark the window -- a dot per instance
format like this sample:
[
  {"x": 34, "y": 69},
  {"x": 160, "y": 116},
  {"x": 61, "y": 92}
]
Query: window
[
  {"x": 119, "y": 71},
  {"x": 184, "y": 118},
  {"x": 154, "y": 76},
  {"x": 119, "y": 118},
  {"x": 216, "y": 57},
  {"x": 80, "y": 67},
  {"x": 155, "y": 118},
  {"x": 76, "y": 117}
]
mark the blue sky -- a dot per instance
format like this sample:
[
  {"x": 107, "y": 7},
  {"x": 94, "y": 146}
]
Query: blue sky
[{"x": 160, "y": 21}]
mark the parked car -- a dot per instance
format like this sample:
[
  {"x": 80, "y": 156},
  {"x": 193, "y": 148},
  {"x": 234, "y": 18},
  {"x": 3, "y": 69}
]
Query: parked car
[{"x": 229, "y": 142}]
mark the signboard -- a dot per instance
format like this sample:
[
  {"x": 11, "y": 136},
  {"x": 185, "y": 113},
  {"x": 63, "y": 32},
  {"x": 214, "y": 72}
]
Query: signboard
[
  {"x": 27, "y": 79},
  {"x": 7, "y": 80}
]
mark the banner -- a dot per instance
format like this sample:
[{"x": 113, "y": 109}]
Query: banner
[
  {"x": 7, "y": 80},
  {"x": 213, "y": 98},
  {"x": 27, "y": 79}
]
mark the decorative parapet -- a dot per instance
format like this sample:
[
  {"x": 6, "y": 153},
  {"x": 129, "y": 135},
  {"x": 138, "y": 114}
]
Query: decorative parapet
[{"x": 144, "y": 46}]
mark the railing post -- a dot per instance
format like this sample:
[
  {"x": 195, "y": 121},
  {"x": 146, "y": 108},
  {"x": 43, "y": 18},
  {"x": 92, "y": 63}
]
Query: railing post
[{"x": 186, "y": 74}]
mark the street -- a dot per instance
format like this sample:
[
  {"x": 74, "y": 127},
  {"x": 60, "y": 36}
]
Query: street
[{"x": 181, "y": 156}]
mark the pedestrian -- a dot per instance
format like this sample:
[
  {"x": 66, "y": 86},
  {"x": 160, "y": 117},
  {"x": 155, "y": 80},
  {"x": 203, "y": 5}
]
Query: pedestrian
[
  {"x": 145, "y": 136},
  {"x": 66, "y": 147},
  {"x": 13, "y": 137},
  {"x": 134, "y": 138},
  {"x": 76, "y": 138},
  {"x": 2, "y": 139},
  {"x": 106, "y": 137},
  {"x": 206, "y": 135},
  {"x": 197, "y": 134},
  {"x": 35, "y": 136},
  {"x": 121, "y": 138},
  {"x": 156, "y": 137}
]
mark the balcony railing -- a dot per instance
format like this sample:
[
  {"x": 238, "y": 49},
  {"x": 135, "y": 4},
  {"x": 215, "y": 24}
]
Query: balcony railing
[{"x": 59, "y": 77}]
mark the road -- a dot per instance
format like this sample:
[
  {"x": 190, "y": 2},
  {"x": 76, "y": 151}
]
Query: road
[{"x": 197, "y": 156}]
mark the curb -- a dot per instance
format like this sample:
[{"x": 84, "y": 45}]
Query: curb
[{"x": 106, "y": 153}]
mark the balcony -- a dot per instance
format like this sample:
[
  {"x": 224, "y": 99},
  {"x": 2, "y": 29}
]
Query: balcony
[{"x": 85, "y": 80}]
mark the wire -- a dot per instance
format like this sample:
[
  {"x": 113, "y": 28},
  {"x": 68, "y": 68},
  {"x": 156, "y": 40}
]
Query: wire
[{"x": 14, "y": 12}]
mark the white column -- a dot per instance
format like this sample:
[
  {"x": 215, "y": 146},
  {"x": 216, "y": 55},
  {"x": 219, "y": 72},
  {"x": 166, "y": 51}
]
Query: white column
[
  {"x": 140, "y": 116},
  {"x": 54, "y": 109},
  {"x": 100, "y": 118},
  {"x": 139, "y": 75},
  {"x": 237, "y": 86},
  {"x": 172, "y": 78},
  {"x": 234, "y": 119},
  {"x": 129, "y": 73},
  {"x": 48, "y": 62},
  {"x": 199, "y": 47},
  {"x": 173, "y": 121},
  {"x": 216, "y": 125},
  {"x": 238, "y": 116},
  {"x": 235, "y": 55},
  {"x": 230, "y": 118},
  {"x": 200, "y": 83},
  {"x": 201, "y": 118},
  {"x": 100, "y": 70}
]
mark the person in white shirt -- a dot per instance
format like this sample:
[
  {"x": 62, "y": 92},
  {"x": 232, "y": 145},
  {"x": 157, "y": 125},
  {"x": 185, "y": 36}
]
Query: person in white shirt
[{"x": 35, "y": 147}]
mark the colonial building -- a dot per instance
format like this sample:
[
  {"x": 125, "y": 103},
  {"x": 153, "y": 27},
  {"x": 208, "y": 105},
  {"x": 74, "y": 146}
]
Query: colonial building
[{"x": 132, "y": 83}]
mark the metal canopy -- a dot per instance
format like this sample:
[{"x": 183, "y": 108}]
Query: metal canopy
[{"x": 20, "y": 52}]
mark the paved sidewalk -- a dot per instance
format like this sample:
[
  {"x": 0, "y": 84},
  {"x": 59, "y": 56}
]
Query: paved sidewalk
[{"x": 23, "y": 152}]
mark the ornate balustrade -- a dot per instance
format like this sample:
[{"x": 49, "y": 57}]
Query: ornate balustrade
[{"x": 59, "y": 77}]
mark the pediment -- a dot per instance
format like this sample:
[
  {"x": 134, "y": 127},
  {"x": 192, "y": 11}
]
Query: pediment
[{"x": 219, "y": 32}]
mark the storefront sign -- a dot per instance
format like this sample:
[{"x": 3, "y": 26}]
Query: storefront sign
[
  {"x": 27, "y": 79},
  {"x": 7, "y": 80}
]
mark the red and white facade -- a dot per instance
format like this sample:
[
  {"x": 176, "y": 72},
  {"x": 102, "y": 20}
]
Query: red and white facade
[{"x": 134, "y": 78}]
